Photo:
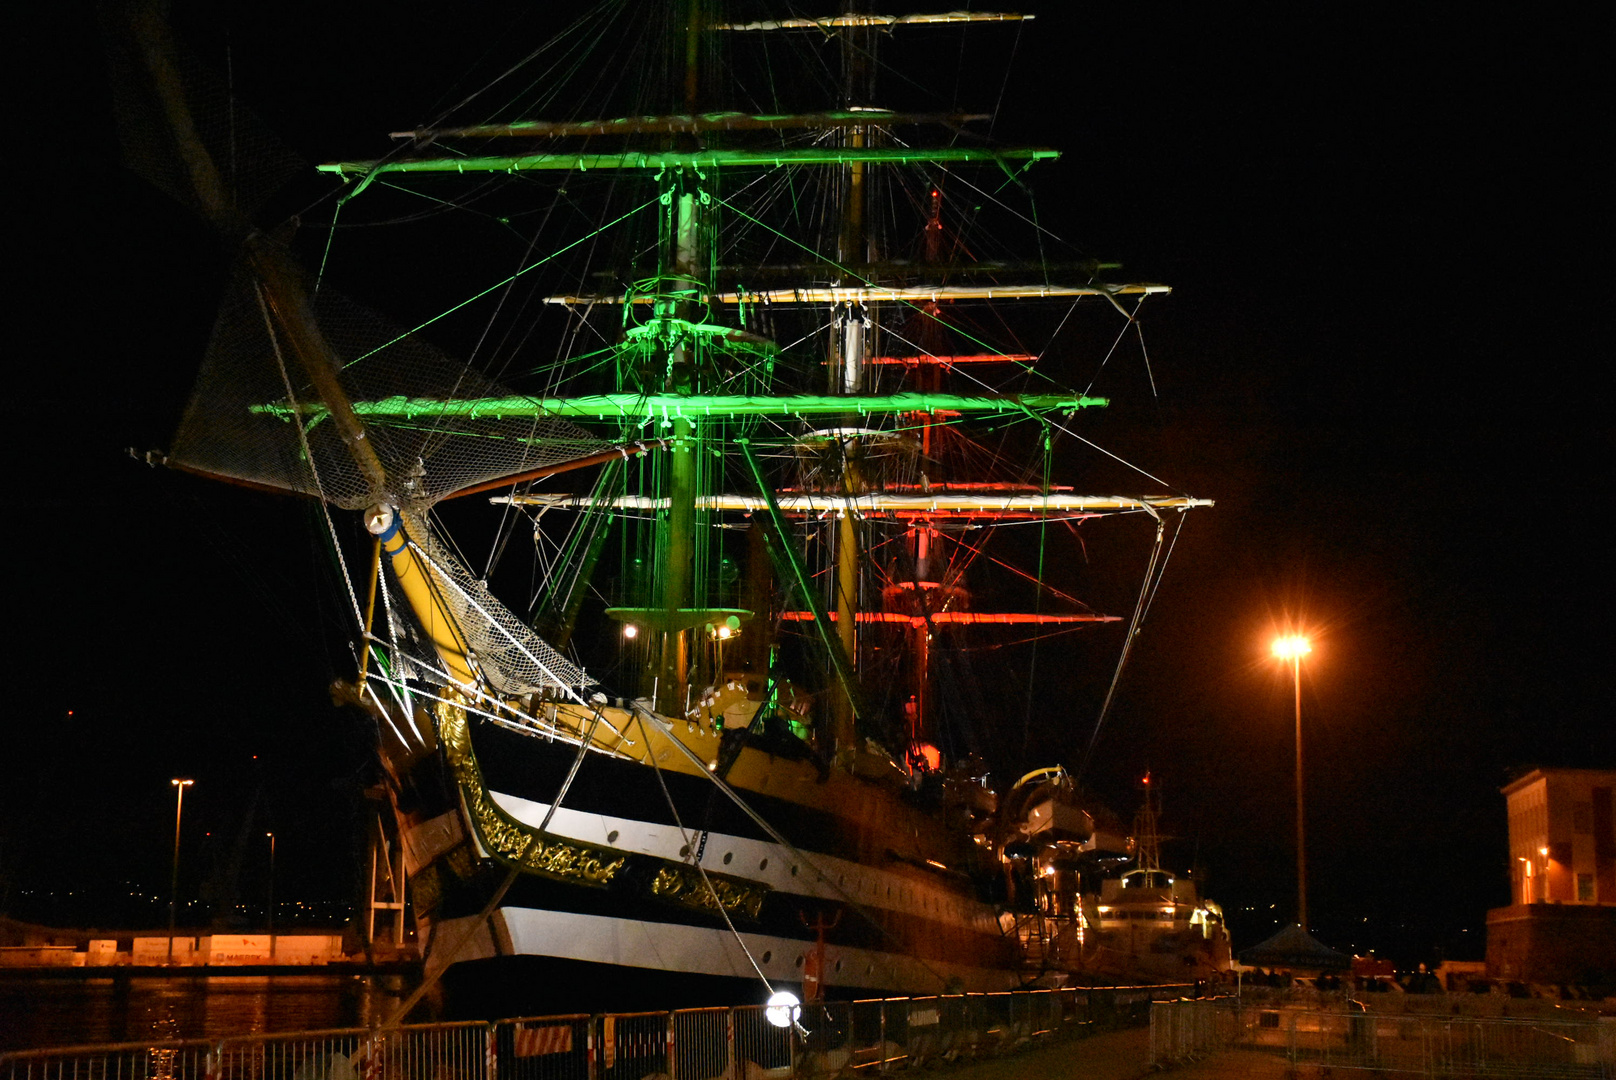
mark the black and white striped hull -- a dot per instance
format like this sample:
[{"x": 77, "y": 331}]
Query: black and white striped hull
[{"x": 901, "y": 924}]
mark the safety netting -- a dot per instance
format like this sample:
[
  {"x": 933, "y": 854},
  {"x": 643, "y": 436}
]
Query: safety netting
[
  {"x": 509, "y": 655},
  {"x": 256, "y": 416}
]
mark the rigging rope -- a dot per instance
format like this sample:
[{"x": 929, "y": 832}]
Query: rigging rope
[
  {"x": 302, "y": 434},
  {"x": 1038, "y": 600},
  {"x": 1146, "y": 589},
  {"x": 505, "y": 281},
  {"x": 774, "y": 834},
  {"x": 849, "y": 272},
  {"x": 1090, "y": 443},
  {"x": 712, "y": 891}
]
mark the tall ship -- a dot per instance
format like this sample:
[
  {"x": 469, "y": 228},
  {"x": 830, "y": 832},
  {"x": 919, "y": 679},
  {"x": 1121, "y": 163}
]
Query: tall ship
[{"x": 685, "y": 609}]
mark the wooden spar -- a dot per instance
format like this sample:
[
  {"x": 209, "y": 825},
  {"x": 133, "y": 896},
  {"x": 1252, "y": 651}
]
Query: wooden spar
[
  {"x": 970, "y": 618},
  {"x": 286, "y": 300},
  {"x": 616, "y": 453},
  {"x": 918, "y": 294},
  {"x": 691, "y": 123},
  {"x": 950, "y": 361},
  {"x": 278, "y": 279},
  {"x": 859, "y": 19},
  {"x": 973, "y": 503}
]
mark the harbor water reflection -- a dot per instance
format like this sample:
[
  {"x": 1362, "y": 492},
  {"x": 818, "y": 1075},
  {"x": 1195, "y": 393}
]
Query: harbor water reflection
[{"x": 42, "y": 1011}]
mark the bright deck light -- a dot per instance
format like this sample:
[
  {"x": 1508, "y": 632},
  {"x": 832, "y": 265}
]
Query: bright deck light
[{"x": 783, "y": 1009}]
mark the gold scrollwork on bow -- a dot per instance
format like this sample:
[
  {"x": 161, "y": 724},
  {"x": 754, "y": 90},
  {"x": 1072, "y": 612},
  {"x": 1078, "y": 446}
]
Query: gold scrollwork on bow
[
  {"x": 683, "y": 885},
  {"x": 506, "y": 838}
]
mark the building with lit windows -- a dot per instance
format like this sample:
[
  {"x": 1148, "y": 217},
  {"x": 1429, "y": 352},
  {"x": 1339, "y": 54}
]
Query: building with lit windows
[{"x": 1560, "y": 925}]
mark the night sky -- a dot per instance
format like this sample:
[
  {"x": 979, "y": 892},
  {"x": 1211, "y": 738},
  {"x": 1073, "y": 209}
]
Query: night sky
[{"x": 1381, "y": 359}]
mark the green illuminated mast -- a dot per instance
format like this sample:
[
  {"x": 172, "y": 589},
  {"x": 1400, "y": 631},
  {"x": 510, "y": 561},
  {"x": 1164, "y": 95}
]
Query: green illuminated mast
[{"x": 713, "y": 351}]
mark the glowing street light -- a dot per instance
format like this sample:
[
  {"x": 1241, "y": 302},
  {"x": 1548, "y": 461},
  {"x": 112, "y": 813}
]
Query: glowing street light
[
  {"x": 1293, "y": 647},
  {"x": 174, "y": 882}
]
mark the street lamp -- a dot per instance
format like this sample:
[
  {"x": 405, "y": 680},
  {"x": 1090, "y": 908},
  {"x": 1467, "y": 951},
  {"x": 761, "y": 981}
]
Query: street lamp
[
  {"x": 174, "y": 882},
  {"x": 271, "y": 918},
  {"x": 1293, "y": 648},
  {"x": 271, "y": 881}
]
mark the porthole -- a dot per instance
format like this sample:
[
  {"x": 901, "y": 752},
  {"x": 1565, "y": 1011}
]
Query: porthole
[
  {"x": 793, "y": 871},
  {"x": 728, "y": 855},
  {"x": 684, "y": 851},
  {"x": 768, "y": 954},
  {"x": 764, "y": 865},
  {"x": 838, "y": 965},
  {"x": 611, "y": 837},
  {"x": 799, "y": 961}
]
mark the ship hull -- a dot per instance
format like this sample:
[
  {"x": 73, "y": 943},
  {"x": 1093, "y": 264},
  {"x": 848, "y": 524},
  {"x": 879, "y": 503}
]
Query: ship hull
[{"x": 860, "y": 865}]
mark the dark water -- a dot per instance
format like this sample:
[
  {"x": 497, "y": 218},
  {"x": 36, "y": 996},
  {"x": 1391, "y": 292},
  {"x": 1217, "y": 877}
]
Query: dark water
[{"x": 40, "y": 1011}]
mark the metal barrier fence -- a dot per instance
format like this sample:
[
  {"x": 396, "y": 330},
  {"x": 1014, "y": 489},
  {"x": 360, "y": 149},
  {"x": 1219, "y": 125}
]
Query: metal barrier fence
[
  {"x": 831, "y": 1038},
  {"x": 1390, "y": 1044}
]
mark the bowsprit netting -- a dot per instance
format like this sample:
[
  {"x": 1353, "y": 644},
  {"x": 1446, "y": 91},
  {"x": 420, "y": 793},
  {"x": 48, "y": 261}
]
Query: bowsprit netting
[
  {"x": 509, "y": 655},
  {"x": 256, "y": 417}
]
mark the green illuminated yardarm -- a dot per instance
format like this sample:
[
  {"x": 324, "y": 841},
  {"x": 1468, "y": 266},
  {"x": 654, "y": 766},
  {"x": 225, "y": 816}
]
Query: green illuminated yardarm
[
  {"x": 604, "y": 406},
  {"x": 813, "y": 155}
]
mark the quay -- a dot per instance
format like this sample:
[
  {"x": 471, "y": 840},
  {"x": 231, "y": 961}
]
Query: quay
[
  {"x": 39, "y": 951},
  {"x": 1121, "y": 1055},
  {"x": 356, "y": 966},
  {"x": 1089, "y": 1033},
  {"x": 815, "y": 1041}
]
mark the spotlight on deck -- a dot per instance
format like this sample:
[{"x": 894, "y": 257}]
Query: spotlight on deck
[{"x": 783, "y": 1009}]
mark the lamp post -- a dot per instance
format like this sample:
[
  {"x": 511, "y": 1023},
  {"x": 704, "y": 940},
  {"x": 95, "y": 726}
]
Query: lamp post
[
  {"x": 271, "y": 908},
  {"x": 174, "y": 881},
  {"x": 1293, "y": 648},
  {"x": 271, "y": 881}
]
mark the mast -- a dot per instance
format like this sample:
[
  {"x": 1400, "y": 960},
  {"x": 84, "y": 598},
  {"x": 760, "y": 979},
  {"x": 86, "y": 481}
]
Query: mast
[
  {"x": 922, "y": 535},
  {"x": 684, "y": 325},
  {"x": 1148, "y": 834},
  {"x": 848, "y": 351},
  {"x": 682, "y": 279}
]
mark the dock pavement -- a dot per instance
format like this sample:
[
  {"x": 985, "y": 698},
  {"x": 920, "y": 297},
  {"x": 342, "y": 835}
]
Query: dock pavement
[{"x": 1118, "y": 1055}]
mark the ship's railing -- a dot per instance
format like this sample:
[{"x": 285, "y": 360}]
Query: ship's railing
[
  {"x": 828, "y": 1039},
  {"x": 1353, "y": 1038}
]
